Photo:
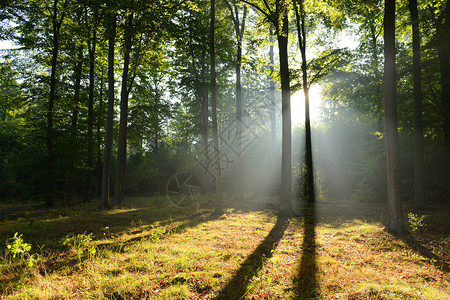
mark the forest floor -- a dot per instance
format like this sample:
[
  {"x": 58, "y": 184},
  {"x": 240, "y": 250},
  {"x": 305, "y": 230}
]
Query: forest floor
[{"x": 150, "y": 250}]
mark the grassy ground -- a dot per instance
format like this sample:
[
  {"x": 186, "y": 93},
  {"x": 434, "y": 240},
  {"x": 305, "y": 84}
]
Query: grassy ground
[{"x": 148, "y": 249}]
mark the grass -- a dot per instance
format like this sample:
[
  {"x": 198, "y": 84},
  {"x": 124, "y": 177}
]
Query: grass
[{"x": 148, "y": 249}]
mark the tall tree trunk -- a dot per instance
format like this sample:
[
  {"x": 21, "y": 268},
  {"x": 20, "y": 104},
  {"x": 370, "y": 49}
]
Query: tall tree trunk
[
  {"x": 49, "y": 140},
  {"x": 394, "y": 201},
  {"x": 444, "y": 60},
  {"x": 70, "y": 180},
  {"x": 205, "y": 113},
  {"x": 122, "y": 143},
  {"x": 239, "y": 28},
  {"x": 98, "y": 185},
  {"x": 300, "y": 19},
  {"x": 104, "y": 200},
  {"x": 214, "y": 111},
  {"x": 90, "y": 158},
  {"x": 273, "y": 107},
  {"x": 419, "y": 194},
  {"x": 286, "y": 160},
  {"x": 442, "y": 23}
]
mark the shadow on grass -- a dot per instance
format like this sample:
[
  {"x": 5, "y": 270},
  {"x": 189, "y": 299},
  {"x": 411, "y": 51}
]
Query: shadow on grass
[
  {"x": 417, "y": 246},
  {"x": 306, "y": 284},
  {"x": 237, "y": 287},
  {"x": 191, "y": 221},
  {"x": 50, "y": 226}
]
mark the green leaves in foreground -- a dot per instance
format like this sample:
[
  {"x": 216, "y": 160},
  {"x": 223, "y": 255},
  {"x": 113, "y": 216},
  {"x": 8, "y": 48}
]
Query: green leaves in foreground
[
  {"x": 18, "y": 249},
  {"x": 80, "y": 243}
]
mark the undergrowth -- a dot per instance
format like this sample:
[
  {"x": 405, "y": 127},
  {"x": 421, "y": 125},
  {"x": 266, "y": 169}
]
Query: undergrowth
[{"x": 147, "y": 250}]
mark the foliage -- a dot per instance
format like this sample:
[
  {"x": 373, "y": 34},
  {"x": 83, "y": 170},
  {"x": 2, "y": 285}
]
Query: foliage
[
  {"x": 17, "y": 246},
  {"x": 20, "y": 251},
  {"x": 416, "y": 222},
  {"x": 81, "y": 244}
]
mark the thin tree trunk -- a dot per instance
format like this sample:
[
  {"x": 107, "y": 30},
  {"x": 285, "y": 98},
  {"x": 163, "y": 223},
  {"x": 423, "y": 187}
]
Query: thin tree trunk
[
  {"x": 419, "y": 194},
  {"x": 90, "y": 158},
  {"x": 70, "y": 181},
  {"x": 442, "y": 24},
  {"x": 273, "y": 120},
  {"x": 214, "y": 111},
  {"x": 300, "y": 19},
  {"x": 104, "y": 200},
  {"x": 286, "y": 160},
  {"x": 49, "y": 140},
  {"x": 394, "y": 201},
  {"x": 239, "y": 32},
  {"x": 99, "y": 141},
  {"x": 122, "y": 143},
  {"x": 444, "y": 60}
]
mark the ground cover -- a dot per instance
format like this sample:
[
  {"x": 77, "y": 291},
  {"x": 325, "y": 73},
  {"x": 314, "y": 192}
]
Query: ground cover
[{"x": 148, "y": 249}]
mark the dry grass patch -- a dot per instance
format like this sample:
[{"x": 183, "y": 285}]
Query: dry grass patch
[{"x": 156, "y": 252}]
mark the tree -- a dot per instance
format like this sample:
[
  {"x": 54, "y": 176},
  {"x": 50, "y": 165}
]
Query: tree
[
  {"x": 104, "y": 200},
  {"x": 418, "y": 120},
  {"x": 126, "y": 87},
  {"x": 92, "y": 42},
  {"x": 214, "y": 109},
  {"x": 239, "y": 27},
  {"x": 278, "y": 17},
  {"x": 58, "y": 15},
  {"x": 394, "y": 201},
  {"x": 300, "y": 20}
]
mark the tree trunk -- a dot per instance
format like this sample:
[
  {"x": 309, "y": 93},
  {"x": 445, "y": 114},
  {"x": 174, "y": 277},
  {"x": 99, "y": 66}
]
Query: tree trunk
[
  {"x": 49, "y": 140},
  {"x": 273, "y": 120},
  {"x": 239, "y": 32},
  {"x": 394, "y": 201},
  {"x": 205, "y": 114},
  {"x": 214, "y": 111},
  {"x": 122, "y": 143},
  {"x": 90, "y": 158},
  {"x": 419, "y": 194},
  {"x": 444, "y": 60},
  {"x": 286, "y": 176},
  {"x": 104, "y": 200},
  {"x": 98, "y": 185},
  {"x": 300, "y": 19},
  {"x": 442, "y": 23},
  {"x": 70, "y": 180}
]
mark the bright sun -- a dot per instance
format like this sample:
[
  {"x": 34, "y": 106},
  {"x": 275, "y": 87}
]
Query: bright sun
[{"x": 298, "y": 106}]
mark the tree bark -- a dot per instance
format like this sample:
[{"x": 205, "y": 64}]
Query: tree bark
[
  {"x": 444, "y": 60},
  {"x": 286, "y": 160},
  {"x": 239, "y": 31},
  {"x": 394, "y": 201},
  {"x": 49, "y": 140},
  {"x": 70, "y": 180},
  {"x": 104, "y": 200},
  {"x": 419, "y": 193},
  {"x": 214, "y": 111},
  {"x": 122, "y": 143},
  {"x": 273, "y": 120},
  {"x": 90, "y": 158},
  {"x": 98, "y": 185}
]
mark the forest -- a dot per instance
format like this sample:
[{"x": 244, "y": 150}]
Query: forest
[{"x": 224, "y": 149}]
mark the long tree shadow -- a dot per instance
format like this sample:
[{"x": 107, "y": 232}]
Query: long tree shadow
[
  {"x": 417, "y": 246},
  {"x": 236, "y": 288},
  {"x": 191, "y": 222},
  {"x": 306, "y": 283}
]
